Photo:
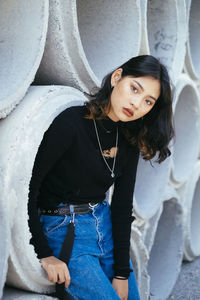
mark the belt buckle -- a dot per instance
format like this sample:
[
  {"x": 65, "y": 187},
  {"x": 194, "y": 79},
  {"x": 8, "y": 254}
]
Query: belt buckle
[{"x": 92, "y": 205}]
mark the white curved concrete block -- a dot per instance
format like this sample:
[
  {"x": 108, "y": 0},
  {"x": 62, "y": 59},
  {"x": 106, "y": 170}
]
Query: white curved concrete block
[
  {"x": 14, "y": 294},
  {"x": 187, "y": 123},
  {"x": 150, "y": 228},
  {"x": 5, "y": 242},
  {"x": 170, "y": 192},
  {"x": 148, "y": 195},
  {"x": 109, "y": 194},
  {"x": 139, "y": 256},
  {"x": 188, "y": 5},
  {"x": 21, "y": 133},
  {"x": 23, "y": 28},
  {"x": 147, "y": 230},
  {"x": 164, "y": 32},
  {"x": 193, "y": 43},
  {"x": 167, "y": 251},
  {"x": 144, "y": 46},
  {"x": 191, "y": 208},
  {"x": 87, "y": 39}
]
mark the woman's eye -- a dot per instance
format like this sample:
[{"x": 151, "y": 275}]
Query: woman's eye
[
  {"x": 134, "y": 89},
  {"x": 148, "y": 102}
]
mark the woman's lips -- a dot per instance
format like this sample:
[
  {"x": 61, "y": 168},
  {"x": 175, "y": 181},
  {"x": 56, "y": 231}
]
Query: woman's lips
[{"x": 127, "y": 112}]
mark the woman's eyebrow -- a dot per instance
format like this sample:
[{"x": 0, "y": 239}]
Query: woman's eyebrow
[
  {"x": 139, "y": 84},
  {"x": 143, "y": 89}
]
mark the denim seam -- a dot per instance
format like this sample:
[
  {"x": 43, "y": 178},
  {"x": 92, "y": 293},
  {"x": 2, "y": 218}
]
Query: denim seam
[
  {"x": 58, "y": 226},
  {"x": 96, "y": 219}
]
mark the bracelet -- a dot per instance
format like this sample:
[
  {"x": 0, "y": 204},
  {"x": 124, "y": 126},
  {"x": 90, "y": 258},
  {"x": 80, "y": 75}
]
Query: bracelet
[{"x": 121, "y": 278}]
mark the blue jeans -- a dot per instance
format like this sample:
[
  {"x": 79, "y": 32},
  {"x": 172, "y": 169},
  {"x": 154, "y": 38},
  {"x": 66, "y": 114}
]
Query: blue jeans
[{"x": 91, "y": 262}]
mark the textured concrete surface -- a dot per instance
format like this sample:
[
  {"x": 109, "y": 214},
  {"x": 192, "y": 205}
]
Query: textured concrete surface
[
  {"x": 4, "y": 250},
  {"x": 15, "y": 294},
  {"x": 22, "y": 44},
  {"x": 191, "y": 206},
  {"x": 167, "y": 33},
  {"x": 192, "y": 62},
  {"x": 147, "y": 204},
  {"x": 79, "y": 46},
  {"x": 186, "y": 136},
  {"x": 167, "y": 251},
  {"x": 28, "y": 121},
  {"x": 187, "y": 286}
]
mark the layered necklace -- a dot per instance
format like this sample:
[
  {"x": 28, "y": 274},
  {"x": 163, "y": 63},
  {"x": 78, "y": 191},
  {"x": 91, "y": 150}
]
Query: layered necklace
[{"x": 111, "y": 170}]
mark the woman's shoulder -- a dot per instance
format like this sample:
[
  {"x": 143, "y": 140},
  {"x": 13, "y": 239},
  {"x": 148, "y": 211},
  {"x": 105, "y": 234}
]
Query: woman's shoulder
[
  {"x": 65, "y": 122},
  {"x": 71, "y": 115},
  {"x": 74, "y": 111}
]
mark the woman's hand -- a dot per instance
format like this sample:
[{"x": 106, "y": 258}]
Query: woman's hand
[
  {"x": 121, "y": 288},
  {"x": 56, "y": 269}
]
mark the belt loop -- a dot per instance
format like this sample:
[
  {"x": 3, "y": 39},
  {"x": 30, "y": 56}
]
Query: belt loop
[{"x": 71, "y": 207}]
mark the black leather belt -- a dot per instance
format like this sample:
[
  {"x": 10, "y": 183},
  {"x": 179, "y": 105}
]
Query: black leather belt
[{"x": 65, "y": 210}]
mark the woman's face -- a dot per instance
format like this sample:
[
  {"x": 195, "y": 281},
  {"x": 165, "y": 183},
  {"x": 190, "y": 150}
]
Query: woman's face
[{"x": 132, "y": 97}]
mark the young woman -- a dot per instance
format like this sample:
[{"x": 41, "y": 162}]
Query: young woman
[{"x": 85, "y": 150}]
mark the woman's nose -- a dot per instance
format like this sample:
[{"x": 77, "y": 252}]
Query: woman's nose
[{"x": 136, "y": 102}]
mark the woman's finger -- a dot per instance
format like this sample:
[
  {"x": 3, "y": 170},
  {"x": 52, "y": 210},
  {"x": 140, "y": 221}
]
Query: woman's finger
[
  {"x": 61, "y": 277},
  {"x": 52, "y": 275},
  {"x": 67, "y": 279}
]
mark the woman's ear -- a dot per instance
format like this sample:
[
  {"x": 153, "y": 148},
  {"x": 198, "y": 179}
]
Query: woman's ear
[{"x": 116, "y": 76}]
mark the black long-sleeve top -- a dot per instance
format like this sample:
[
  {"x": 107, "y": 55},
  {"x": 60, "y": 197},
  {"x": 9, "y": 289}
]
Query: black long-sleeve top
[{"x": 69, "y": 167}]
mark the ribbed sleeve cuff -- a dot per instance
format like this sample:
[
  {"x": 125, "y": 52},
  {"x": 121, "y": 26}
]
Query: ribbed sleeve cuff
[
  {"x": 41, "y": 253},
  {"x": 124, "y": 272}
]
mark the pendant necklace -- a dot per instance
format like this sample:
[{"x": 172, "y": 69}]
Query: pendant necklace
[{"x": 111, "y": 170}]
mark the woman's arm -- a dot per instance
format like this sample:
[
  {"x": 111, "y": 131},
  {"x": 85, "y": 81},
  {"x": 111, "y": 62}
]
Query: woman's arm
[
  {"x": 55, "y": 142},
  {"x": 121, "y": 209}
]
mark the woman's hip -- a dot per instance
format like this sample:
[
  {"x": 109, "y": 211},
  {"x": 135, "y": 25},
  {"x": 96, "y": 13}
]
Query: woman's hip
[{"x": 93, "y": 231}]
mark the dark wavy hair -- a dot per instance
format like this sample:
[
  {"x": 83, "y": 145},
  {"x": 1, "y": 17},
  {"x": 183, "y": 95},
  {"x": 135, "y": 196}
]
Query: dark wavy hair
[{"x": 153, "y": 132}]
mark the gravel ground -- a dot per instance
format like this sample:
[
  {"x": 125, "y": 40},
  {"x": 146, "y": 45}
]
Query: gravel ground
[{"x": 187, "y": 286}]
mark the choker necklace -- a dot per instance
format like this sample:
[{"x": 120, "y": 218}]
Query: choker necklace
[{"x": 111, "y": 170}]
